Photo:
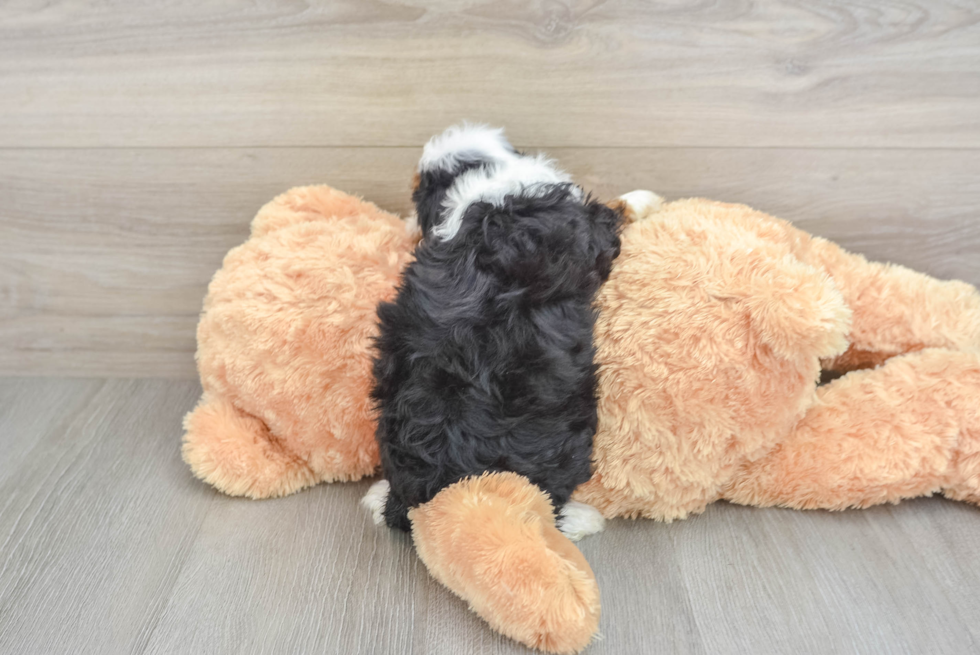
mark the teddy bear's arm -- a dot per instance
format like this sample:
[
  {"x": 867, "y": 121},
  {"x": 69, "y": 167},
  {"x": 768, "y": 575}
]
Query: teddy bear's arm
[
  {"x": 737, "y": 255},
  {"x": 895, "y": 310},
  {"x": 908, "y": 428}
]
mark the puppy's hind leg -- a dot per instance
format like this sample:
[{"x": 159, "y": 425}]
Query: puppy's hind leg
[
  {"x": 375, "y": 499},
  {"x": 577, "y": 520}
]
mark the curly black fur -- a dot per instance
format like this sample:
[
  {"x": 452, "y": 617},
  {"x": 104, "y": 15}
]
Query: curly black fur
[{"x": 485, "y": 359}]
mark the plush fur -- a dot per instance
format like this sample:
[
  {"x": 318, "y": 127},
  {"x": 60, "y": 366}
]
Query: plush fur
[
  {"x": 485, "y": 356},
  {"x": 724, "y": 404},
  {"x": 712, "y": 331},
  {"x": 290, "y": 316},
  {"x": 557, "y": 608}
]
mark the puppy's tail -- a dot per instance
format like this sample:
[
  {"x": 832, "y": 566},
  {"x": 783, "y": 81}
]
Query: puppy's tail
[{"x": 638, "y": 205}]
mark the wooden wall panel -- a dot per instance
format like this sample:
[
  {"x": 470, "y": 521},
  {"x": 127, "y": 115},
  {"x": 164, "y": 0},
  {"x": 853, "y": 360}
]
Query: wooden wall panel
[
  {"x": 137, "y": 139},
  {"x": 105, "y": 254},
  {"x": 559, "y": 73}
]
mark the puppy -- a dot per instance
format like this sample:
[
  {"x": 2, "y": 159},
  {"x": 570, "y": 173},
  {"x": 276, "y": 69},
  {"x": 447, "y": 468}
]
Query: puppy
[{"x": 485, "y": 359}]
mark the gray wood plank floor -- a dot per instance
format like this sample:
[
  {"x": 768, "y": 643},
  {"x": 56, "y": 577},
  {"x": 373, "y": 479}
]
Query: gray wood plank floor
[{"x": 108, "y": 545}]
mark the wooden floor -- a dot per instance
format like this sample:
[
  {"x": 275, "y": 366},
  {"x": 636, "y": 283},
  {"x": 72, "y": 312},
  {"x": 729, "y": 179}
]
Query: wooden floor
[
  {"x": 108, "y": 545},
  {"x": 137, "y": 140}
]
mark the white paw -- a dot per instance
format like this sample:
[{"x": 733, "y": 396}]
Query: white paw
[
  {"x": 641, "y": 203},
  {"x": 577, "y": 520},
  {"x": 374, "y": 500}
]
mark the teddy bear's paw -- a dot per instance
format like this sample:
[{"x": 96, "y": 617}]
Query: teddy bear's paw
[
  {"x": 577, "y": 520},
  {"x": 492, "y": 541},
  {"x": 234, "y": 452},
  {"x": 640, "y": 204},
  {"x": 374, "y": 500}
]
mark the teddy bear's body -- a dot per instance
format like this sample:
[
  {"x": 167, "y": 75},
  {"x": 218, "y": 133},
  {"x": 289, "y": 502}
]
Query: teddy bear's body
[{"x": 713, "y": 330}]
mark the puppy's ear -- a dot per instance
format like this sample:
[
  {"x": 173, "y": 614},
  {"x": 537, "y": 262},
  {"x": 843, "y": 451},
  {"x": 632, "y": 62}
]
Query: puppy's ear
[
  {"x": 429, "y": 196},
  {"x": 606, "y": 222}
]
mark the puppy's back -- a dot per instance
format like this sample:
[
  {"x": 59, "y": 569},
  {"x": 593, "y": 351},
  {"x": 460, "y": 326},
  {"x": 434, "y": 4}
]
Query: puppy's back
[{"x": 486, "y": 357}]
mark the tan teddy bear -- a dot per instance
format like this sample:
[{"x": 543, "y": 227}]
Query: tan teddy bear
[{"x": 714, "y": 328}]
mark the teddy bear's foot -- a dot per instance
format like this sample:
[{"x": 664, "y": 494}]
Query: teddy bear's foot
[
  {"x": 492, "y": 540},
  {"x": 897, "y": 310},
  {"x": 964, "y": 481},
  {"x": 307, "y": 204},
  {"x": 235, "y": 453},
  {"x": 908, "y": 428}
]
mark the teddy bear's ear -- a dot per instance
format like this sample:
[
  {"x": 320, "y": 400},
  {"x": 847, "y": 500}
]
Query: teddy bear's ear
[
  {"x": 493, "y": 541},
  {"x": 312, "y": 204}
]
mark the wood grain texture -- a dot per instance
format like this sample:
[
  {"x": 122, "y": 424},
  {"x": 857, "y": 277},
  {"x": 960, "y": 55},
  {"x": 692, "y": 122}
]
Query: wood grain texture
[
  {"x": 96, "y": 520},
  {"x": 108, "y": 545},
  {"x": 138, "y": 139},
  {"x": 105, "y": 254},
  {"x": 560, "y": 73}
]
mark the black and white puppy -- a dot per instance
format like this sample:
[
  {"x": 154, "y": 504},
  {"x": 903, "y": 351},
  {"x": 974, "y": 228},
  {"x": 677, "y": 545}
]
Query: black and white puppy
[{"x": 485, "y": 359}]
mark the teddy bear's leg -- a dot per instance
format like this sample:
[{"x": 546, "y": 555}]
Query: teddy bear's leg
[
  {"x": 492, "y": 540},
  {"x": 908, "y": 428},
  {"x": 963, "y": 480},
  {"x": 897, "y": 310},
  {"x": 236, "y": 453}
]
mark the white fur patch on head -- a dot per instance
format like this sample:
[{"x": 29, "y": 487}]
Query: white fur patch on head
[
  {"x": 446, "y": 150},
  {"x": 577, "y": 520},
  {"x": 374, "y": 500},
  {"x": 641, "y": 203},
  {"x": 528, "y": 176}
]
